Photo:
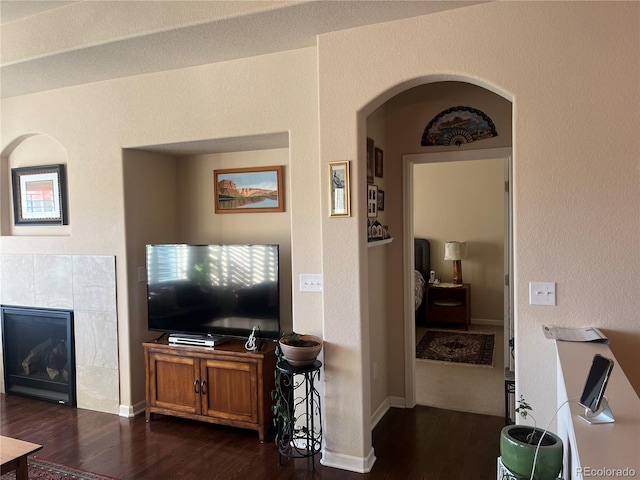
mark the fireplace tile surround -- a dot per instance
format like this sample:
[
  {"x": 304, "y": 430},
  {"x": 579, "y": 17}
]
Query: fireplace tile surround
[{"x": 85, "y": 284}]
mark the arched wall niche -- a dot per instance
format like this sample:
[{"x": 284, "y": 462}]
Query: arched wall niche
[{"x": 28, "y": 150}]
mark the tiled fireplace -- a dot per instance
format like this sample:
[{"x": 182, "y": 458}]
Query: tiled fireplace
[{"x": 86, "y": 285}]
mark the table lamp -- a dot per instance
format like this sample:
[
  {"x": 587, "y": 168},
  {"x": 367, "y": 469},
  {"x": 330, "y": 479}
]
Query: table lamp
[{"x": 456, "y": 251}]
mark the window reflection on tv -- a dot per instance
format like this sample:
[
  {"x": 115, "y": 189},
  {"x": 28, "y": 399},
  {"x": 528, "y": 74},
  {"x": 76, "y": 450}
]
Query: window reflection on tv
[{"x": 214, "y": 289}]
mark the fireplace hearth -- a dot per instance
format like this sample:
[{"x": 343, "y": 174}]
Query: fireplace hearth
[{"x": 38, "y": 353}]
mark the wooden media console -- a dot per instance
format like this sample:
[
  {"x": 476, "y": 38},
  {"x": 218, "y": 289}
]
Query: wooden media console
[{"x": 226, "y": 384}]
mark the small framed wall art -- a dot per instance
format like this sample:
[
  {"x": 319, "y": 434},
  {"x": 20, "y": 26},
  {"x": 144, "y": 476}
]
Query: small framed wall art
[
  {"x": 248, "y": 190},
  {"x": 40, "y": 195},
  {"x": 379, "y": 164},
  {"x": 372, "y": 201},
  {"x": 370, "y": 160},
  {"x": 339, "y": 194}
]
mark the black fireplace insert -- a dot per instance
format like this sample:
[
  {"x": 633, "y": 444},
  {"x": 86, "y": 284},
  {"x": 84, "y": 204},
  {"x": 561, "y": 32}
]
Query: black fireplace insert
[{"x": 39, "y": 354}]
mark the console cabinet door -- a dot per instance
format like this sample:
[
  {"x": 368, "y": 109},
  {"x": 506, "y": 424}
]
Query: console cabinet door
[
  {"x": 231, "y": 390},
  {"x": 174, "y": 382}
]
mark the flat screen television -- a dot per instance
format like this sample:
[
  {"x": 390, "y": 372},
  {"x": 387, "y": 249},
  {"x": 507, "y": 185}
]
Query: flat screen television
[{"x": 214, "y": 290}]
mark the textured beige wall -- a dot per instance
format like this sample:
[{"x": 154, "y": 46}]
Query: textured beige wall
[
  {"x": 151, "y": 201},
  {"x": 563, "y": 69}
]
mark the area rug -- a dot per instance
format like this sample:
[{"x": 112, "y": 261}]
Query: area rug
[
  {"x": 466, "y": 348},
  {"x": 45, "y": 470}
]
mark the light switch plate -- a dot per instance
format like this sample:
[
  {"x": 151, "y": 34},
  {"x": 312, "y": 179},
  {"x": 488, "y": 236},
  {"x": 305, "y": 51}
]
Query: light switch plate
[
  {"x": 542, "y": 293},
  {"x": 311, "y": 282}
]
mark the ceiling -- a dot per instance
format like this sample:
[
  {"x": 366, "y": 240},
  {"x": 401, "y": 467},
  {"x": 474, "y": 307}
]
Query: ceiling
[
  {"x": 54, "y": 44},
  {"x": 47, "y": 45},
  {"x": 10, "y": 10}
]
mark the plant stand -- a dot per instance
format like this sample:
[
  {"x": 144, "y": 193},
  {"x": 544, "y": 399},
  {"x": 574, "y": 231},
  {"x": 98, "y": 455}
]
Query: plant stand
[
  {"x": 505, "y": 474},
  {"x": 299, "y": 424}
]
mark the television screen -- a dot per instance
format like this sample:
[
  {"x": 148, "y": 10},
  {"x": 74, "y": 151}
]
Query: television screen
[{"x": 214, "y": 289}]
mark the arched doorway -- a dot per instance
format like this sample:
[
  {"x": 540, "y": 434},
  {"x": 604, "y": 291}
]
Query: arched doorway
[{"x": 403, "y": 116}]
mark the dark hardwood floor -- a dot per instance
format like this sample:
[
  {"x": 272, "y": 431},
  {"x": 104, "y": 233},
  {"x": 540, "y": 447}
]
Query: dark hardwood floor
[{"x": 420, "y": 443}]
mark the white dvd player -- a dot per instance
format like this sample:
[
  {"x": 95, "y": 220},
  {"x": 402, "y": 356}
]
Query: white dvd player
[{"x": 198, "y": 340}]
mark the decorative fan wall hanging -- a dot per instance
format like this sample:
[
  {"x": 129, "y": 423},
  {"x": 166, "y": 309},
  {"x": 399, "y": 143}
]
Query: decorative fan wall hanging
[{"x": 458, "y": 125}]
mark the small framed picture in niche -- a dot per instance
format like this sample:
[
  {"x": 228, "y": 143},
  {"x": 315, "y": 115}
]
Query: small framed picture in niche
[
  {"x": 40, "y": 195},
  {"x": 248, "y": 190}
]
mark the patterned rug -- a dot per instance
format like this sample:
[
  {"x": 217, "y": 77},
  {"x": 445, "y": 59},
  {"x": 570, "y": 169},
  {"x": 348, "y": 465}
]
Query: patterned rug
[
  {"x": 45, "y": 470},
  {"x": 466, "y": 348}
]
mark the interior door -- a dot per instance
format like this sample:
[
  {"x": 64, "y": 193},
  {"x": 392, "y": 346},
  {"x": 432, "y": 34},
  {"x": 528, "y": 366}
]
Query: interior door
[{"x": 409, "y": 161}]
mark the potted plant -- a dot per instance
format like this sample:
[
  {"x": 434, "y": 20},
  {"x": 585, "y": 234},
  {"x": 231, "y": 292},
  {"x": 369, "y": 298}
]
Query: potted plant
[
  {"x": 530, "y": 452},
  {"x": 300, "y": 350}
]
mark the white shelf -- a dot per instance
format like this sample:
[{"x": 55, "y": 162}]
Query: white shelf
[{"x": 377, "y": 243}]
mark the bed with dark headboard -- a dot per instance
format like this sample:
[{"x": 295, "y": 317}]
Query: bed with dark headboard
[{"x": 422, "y": 265}]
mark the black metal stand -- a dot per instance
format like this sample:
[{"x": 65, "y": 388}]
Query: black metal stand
[
  {"x": 509, "y": 389},
  {"x": 297, "y": 410}
]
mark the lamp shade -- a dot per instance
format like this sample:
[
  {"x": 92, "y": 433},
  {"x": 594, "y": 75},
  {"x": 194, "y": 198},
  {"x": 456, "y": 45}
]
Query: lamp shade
[{"x": 455, "y": 250}]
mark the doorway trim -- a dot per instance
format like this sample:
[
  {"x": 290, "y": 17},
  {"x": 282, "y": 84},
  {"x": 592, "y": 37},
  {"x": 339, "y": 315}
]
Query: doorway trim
[{"x": 408, "y": 163}]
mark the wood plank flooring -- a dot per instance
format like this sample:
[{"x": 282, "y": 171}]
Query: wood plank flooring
[{"x": 420, "y": 443}]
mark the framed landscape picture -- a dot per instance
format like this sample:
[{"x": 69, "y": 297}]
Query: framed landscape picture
[
  {"x": 39, "y": 195},
  {"x": 248, "y": 190}
]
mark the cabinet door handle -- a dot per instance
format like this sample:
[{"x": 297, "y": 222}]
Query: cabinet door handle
[
  {"x": 195, "y": 386},
  {"x": 203, "y": 387}
]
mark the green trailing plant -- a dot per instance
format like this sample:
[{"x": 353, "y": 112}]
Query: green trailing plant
[
  {"x": 524, "y": 410},
  {"x": 530, "y": 452},
  {"x": 282, "y": 415},
  {"x": 284, "y": 419}
]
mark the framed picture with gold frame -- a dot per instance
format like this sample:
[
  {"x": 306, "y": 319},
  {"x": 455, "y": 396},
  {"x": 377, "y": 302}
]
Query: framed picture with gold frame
[
  {"x": 248, "y": 190},
  {"x": 339, "y": 190}
]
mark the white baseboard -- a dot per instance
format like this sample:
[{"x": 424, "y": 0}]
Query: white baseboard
[
  {"x": 396, "y": 402},
  {"x": 348, "y": 462},
  {"x": 380, "y": 412},
  {"x": 487, "y": 321},
  {"x": 129, "y": 411}
]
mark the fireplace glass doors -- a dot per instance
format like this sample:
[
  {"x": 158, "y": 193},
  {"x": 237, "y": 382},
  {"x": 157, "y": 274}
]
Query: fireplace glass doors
[{"x": 39, "y": 358}]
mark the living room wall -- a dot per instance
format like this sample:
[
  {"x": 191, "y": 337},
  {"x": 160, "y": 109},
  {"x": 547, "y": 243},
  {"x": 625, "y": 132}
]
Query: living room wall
[
  {"x": 101, "y": 124},
  {"x": 559, "y": 64},
  {"x": 540, "y": 56}
]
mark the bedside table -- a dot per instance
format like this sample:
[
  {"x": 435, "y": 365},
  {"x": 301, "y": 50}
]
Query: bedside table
[{"x": 451, "y": 305}]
